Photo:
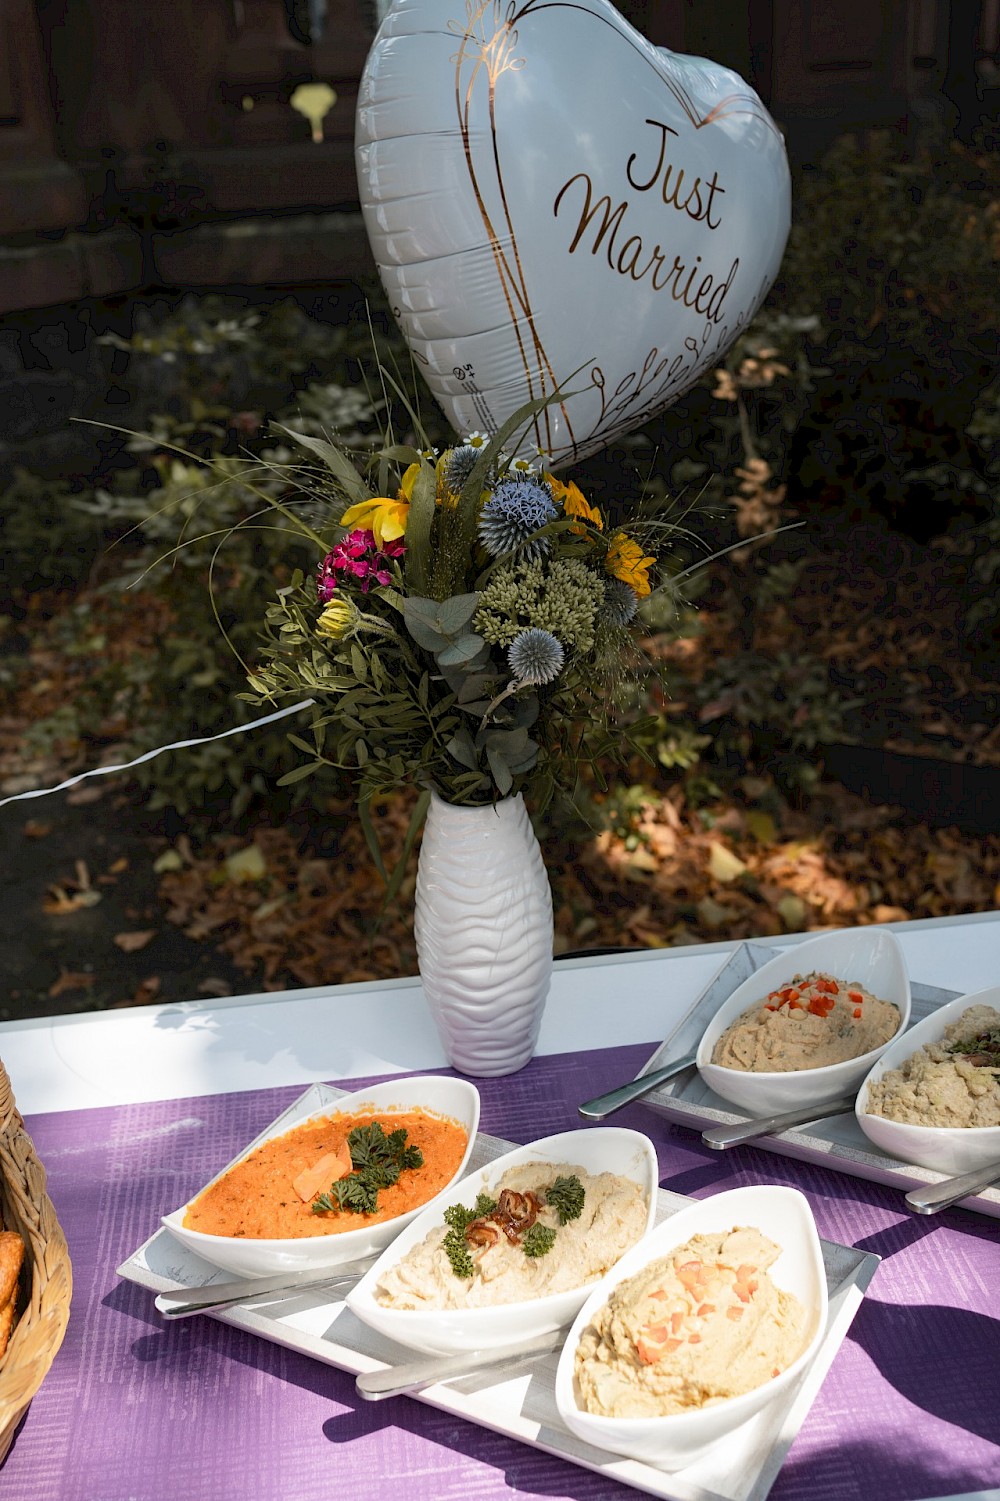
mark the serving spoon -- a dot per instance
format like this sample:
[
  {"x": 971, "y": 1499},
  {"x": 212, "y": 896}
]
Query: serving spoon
[
  {"x": 396, "y": 1381},
  {"x": 721, "y": 1137},
  {"x": 605, "y": 1104},
  {"x": 180, "y": 1302},
  {"x": 937, "y": 1196}
]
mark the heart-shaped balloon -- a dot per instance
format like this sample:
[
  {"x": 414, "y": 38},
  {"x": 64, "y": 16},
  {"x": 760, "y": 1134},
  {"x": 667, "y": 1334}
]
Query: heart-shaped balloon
[{"x": 557, "y": 206}]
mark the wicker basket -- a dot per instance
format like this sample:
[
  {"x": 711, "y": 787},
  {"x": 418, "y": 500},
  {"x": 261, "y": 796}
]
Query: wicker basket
[{"x": 46, "y": 1277}]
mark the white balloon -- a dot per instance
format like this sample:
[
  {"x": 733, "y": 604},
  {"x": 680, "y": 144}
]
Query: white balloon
[{"x": 554, "y": 204}]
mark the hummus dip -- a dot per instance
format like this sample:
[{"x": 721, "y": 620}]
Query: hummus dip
[
  {"x": 952, "y": 1082},
  {"x": 811, "y": 1022},
  {"x": 691, "y": 1329},
  {"x": 612, "y": 1218}
]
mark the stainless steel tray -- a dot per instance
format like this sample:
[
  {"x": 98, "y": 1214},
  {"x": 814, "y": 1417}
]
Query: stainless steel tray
[
  {"x": 835, "y": 1142},
  {"x": 518, "y": 1399}
]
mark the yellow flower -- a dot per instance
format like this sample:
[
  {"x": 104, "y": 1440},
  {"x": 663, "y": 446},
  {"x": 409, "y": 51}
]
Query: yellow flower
[
  {"x": 625, "y": 561},
  {"x": 574, "y": 503},
  {"x": 407, "y": 483},
  {"x": 336, "y": 618},
  {"x": 386, "y": 518}
]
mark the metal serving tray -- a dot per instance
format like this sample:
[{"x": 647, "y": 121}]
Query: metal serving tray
[{"x": 835, "y": 1141}]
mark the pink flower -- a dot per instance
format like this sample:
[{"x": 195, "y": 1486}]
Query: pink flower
[{"x": 358, "y": 559}]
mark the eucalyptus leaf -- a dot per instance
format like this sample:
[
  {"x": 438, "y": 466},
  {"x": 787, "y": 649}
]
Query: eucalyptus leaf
[
  {"x": 461, "y": 749},
  {"x": 465, "y": 649},
  {"x": 455, "y": 613},
  {"x": 502, "y": 774},
  {"x": 423, "y": 634}
]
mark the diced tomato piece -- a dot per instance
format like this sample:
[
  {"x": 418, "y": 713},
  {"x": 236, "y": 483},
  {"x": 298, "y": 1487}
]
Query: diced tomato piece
[
  {"x": 650, "y": 1351},
  {"x": 690, "y": 1274},
  {"x": 857, "y": 1013},
  {"x": 734, "y": 1313},
  {"x": 855, "y": 996},
  {"x": 676, "y": 1322},
  {"x": 694, "y": 1339},
  {"x": 705, "y": 1310}
]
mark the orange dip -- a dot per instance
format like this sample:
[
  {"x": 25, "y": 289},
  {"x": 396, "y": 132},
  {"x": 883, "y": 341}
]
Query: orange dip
[{"x": 256, "y": 1198}]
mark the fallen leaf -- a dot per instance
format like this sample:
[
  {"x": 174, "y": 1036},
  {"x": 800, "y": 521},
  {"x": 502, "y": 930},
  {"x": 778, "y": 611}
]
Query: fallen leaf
[
  {"x": 169, "y": 860},
  {"x": 761, "y": 826},
  {"x": 70, "y": 979},
  {"x": 793, "y": 912},
  {"x": 36, "y": 829},
  {"x": 213, "y": 986},
  {"x": 147, "y": 992},
  {"x": 246, "y": 865},
  {"x": 130, "y": 942},
  {"x": 712, "y": 913},
  {"x": 59, "y": 902},
  {"x": 81, "y": 796},
  {"x": 118, "y": 866},
  {"x": 723, "y": 865}
]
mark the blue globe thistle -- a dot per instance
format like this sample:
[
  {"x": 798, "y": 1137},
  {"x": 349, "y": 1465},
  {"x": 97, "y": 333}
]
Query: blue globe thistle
[
  {"x": 621, "y": 601},
  {"x": 458, "y": 464},
  {"x": 535, "y": 656},
  {"x": 517, "y": 508}
]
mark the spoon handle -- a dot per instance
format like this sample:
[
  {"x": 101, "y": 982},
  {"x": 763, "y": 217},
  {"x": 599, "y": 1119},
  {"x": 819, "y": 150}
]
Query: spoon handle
[
  {"x": 937, "y": 1196},
  {"x": 180, "y": 1302},
  {"x": 396, "y": 1381},
  {"x": 721, "y": 1137},
  {"x": 606, "y": 1104}
]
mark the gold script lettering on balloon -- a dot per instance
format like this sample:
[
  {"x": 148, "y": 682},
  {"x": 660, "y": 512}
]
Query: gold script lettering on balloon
[
  {"x": 632, "y": 259},
  {"x": 672, "y": 188}
]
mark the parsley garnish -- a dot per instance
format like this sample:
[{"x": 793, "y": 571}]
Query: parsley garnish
[
  {"x": 457, "y": 1216},
  {"x": 566, "y": 1198},
  {"x": 538, "y": 1241},
  {"x": 378, "y": 1160},
  {"x": 455, "y": 1245},
  {"x": 457, "y": 1251}
]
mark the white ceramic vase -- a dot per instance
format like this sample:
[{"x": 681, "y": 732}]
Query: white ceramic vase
[{"x": 483, "y": 925}]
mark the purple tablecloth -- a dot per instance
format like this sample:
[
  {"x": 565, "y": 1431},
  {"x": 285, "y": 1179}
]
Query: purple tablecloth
[{"x": 135, "y": 1410}]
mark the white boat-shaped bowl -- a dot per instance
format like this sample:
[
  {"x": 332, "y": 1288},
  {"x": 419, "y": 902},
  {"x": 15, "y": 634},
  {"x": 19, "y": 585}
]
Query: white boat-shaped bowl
[
  {"x": 943, "y": 1149},
  {"x": 455, "y": 1099},
  {"x": 678, "y": 1439},
  {"x": 871, "y": 957},
  {"x": 599, "y": 1149}
]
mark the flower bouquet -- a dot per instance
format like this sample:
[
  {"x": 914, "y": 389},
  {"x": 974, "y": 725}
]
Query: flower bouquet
[{"x": 469, "y": 632}]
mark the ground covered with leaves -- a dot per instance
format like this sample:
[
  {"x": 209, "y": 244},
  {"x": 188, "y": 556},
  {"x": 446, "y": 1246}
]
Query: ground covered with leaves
[{"x": 109, "y": 902}]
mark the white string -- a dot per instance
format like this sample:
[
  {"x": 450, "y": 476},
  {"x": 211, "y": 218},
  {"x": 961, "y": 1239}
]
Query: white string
[{"x": 104, "y": 771}]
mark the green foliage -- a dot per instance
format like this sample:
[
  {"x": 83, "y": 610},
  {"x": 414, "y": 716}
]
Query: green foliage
[
  {"x": 47, "y": 543},
  {"x": 785, "y": 700},
  {"x": 885, "y": 232}
]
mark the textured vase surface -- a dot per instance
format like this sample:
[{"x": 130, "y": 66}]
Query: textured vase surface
[{"x": 483, "y": 926}]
